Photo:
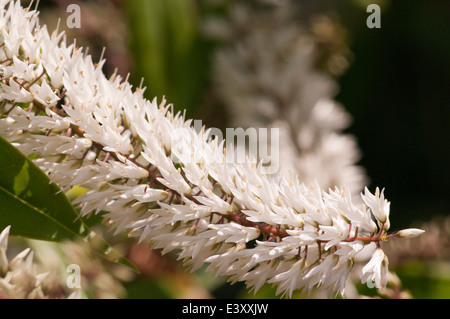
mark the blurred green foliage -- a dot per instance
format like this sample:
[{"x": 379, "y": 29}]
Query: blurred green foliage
[
  {"x": 426, "y": 280},
  {"x": 167, "y": 49}
]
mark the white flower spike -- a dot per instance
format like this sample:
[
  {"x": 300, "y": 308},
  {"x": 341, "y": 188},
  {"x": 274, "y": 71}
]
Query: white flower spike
[{"x": 107, "y": 138}]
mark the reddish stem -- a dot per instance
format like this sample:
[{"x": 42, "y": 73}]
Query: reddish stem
[{"x": 264, "y": 228}]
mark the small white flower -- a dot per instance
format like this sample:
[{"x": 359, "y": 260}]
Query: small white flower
[
  {"x": 19, "y": 69},
  {"x": 376, "y": 270},
  {"x": 290, "y": 277},
  {"x": 378, "y": 205},
  {"x": 334, "y": 234},
  {"x": 320, "y": 273},
  {"x": 215, "y": 202},
  {"x": 15, "y": 93},
  {"x": 44, "y": 94},
  {"x": 349, "y": 250},
  {"x": 300, "y": 237}
]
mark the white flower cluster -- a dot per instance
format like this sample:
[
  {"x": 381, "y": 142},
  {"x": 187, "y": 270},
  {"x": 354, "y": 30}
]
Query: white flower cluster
[
  {"x": 20, "y": 279},
  {"x": 84, "y": 129},
  {"x": 266, "y": 75},
  {"x": 40, "y": 271},
  {"x": 98, "y": 277}
]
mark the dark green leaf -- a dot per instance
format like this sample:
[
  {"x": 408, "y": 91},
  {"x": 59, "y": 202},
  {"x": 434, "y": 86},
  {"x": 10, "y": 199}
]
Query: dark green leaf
[{"x": 36, "y": 208}]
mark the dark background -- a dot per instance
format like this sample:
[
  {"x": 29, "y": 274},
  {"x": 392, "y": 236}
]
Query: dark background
[{"x": 398, "y": 91}]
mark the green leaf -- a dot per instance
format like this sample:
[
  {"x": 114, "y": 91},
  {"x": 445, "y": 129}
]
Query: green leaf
[{"x": 36, "y": 208}]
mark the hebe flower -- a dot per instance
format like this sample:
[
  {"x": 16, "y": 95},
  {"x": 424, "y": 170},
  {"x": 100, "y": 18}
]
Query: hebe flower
[
  {"x": 41, "y": 271},
  {"x": 20, "y": 278},
  {"x": 175, "y": 191}
]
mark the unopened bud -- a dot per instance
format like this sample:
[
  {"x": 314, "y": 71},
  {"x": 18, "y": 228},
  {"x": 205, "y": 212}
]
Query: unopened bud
[{"x": 410, "y": 233}]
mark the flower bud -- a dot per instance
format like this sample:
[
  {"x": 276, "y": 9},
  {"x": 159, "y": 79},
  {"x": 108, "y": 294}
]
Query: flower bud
[{"x": 410, "y": 233}]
